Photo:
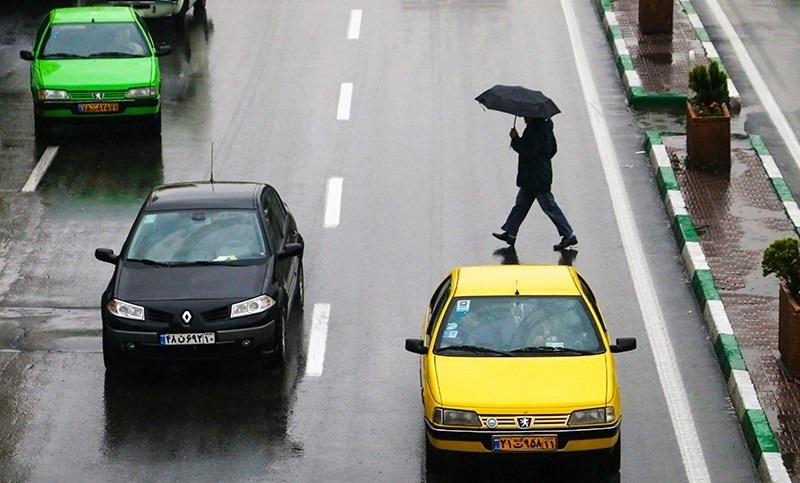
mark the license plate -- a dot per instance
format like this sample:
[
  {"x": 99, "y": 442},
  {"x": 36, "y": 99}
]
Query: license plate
[
  {"x": 524, "y": 443},
  {"x": 99, "y": 107},
  {"x": 201, "y": 338}
]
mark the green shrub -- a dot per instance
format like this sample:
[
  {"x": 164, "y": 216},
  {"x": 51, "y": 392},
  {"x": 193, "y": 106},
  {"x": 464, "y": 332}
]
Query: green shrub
[
  {"x": 782, "y": 257},
  {"x": 710, "y": 88}
]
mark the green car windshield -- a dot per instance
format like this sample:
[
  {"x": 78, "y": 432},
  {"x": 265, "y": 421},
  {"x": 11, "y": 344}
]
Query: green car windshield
[
  {"x": 518, "y": 325},
  {"x": 94, "y": 40},
  {"x": 197, "y": 236}
]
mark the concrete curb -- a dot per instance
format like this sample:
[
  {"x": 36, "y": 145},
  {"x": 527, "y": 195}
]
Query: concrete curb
[
  {"x": 634, "y": 90},
  {"x": 756, "y": 429}
]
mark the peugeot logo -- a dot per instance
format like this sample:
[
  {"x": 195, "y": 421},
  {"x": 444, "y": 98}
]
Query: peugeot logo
[
  {"x": 524, "y": 422},
  {"x": 491, "y": 422},
  {"x": 98, "y": 96},
  {"x": 186, "y": 316}
]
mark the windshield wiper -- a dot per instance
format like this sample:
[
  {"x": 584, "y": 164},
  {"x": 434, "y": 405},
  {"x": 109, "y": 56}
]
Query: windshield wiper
[
  {"x": 471, "y": 348},
  {"x": 147, "y": 261},
  {"x": 546, "y": 349},
  {"x": 63, "y": 55},
  {"x": 114, "y": 55}
]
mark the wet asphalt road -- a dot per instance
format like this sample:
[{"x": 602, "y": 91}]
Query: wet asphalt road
[{"x": 427, "y": 177}]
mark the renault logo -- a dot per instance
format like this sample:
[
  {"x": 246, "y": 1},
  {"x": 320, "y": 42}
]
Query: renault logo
[
  {"x": 98, "y": 96},
  {"x": 186, "y": 316},
  {"x": 524, "y": 422}
]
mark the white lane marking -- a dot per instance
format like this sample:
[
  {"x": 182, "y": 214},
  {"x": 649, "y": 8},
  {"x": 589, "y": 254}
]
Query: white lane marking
[
  {"x": 41, "y": 168},
  {"x": 759, "y": 85},
  {"x": 655, "y": 326},
  {"x": 318, "y": 338},
  {"x": 333, "y": 202},
  {"x": 345, "y": 98},
  {"x": 354, "y": 27}
]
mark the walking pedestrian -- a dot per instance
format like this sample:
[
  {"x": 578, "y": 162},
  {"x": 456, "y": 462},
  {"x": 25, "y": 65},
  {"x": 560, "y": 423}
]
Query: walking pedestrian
[{"x": 536, "y": 148}]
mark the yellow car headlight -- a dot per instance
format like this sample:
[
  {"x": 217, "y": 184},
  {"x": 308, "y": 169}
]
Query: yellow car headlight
[
  {"x": 454, "y": 417},
  {"x": 592, "y": 416}
]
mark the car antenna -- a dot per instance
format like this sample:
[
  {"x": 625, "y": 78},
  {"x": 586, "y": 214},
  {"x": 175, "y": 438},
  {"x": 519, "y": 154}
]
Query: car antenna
[
  {"x": 212, "y": 162},
  {"x": 516, "y": 292}
]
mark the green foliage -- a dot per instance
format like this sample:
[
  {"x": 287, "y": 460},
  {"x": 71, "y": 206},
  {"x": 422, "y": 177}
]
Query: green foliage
[
  {"x": 782, "y": 257},
  {"x": 710, "y": 87}
]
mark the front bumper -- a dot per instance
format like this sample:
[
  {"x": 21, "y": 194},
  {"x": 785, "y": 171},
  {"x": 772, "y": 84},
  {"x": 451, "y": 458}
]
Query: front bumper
[
  {"x": 592, "y": 438},
  {"x": 71, "y": 110}
]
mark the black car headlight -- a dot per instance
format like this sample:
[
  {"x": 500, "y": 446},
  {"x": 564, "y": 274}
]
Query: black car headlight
[
  {"x": 253, "y": 306},
  {"x": 125, "y": 310},
  {"x": 455, "y": 417}
]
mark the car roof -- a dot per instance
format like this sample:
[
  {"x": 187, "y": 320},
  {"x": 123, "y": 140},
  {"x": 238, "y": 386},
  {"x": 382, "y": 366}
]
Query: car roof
[
  {"x": 93, "y": 14},
  {"x": 494, "y": 280},
  {"x": 204, "y": 195}
]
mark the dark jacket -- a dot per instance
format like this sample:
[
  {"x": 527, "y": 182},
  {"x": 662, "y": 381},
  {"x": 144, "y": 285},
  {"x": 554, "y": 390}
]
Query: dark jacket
[{"x": 536, "y": 147}]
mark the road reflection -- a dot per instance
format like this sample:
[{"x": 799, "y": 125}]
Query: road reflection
[{"x": 520, "y": 468}]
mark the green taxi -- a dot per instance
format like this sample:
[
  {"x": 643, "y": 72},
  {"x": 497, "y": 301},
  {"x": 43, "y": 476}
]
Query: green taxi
[{"x": 94, "y": 63}]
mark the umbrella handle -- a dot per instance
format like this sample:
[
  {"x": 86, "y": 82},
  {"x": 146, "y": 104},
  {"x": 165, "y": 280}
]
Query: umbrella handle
[{"x": 515, "y": 121}]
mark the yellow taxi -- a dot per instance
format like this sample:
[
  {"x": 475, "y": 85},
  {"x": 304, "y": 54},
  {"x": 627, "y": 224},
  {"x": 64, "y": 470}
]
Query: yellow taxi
[{"x": 516, "y": 359}]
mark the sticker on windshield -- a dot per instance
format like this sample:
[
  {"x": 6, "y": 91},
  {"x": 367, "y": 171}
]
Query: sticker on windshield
[
  {"x": 462, "y": 308},
  {"x": 151, "y": 218},
  {"x": 450, "y": 334},
  {"x": 452, "y": 326}
]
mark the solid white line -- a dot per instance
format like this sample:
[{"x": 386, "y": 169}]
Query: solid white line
[
  {"x": 345, "y": 97},
  {"x": 318, "y": 338},
  {"x": 354, "y": 27},
  {"x": 333, "y": 202},
  {"x": 655, "y": 326},
  {"x": 41, "y": 168},
  {"x": 759, "y": 85}
]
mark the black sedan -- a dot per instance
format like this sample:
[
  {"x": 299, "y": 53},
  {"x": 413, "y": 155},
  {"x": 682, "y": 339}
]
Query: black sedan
[{"x": 210, "y": 270}]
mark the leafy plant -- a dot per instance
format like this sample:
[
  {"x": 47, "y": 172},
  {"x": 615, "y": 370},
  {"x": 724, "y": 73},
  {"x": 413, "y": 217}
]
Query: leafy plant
[
  {"x": 710, "y": 87},
  {"x": 782, "y": 257}
]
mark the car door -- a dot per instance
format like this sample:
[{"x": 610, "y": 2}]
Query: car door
[{"x": 277, "y": 227}]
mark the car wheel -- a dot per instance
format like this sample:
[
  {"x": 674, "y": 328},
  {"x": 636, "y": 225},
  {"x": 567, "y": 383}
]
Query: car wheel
[
  {"x": 435, "y": 459},
  {"x": 277, "y": 358},
  {"x": 612, "y": 462},
  {"x": 200, "y": 5},
  {"x": 179, "y": 19},
  {"x": 154, "y": 125},
  {"x": 41, "y": 126},
  {"x": 111, "y": 357}
]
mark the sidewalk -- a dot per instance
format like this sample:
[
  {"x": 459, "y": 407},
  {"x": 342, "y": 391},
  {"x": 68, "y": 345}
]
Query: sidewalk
[{"x": 722, "y": 225}]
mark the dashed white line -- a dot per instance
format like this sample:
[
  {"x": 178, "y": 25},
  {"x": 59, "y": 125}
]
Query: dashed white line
[
  {"x": 671, "y": 383},
  {"x": 318, "y": 338},
  {"x": 354, "y": 27},
  {"x": 345, "y": 98},
  {"x": 41, "y": 168},
  {"x": 333, "y": 202}
]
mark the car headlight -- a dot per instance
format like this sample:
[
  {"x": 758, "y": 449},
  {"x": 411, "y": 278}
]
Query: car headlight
[
  {"x": 252, "y": 306},
  {"x": 592, "y": 416},
  {"x": 48, "y": 94},
  {"x": 125, "y": 310},
  {"x": 142, "y": 92},
  {"x": 454, "y": 417}
]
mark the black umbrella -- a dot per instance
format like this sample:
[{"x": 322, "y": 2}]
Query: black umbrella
[{"x": 519, "y": 101}]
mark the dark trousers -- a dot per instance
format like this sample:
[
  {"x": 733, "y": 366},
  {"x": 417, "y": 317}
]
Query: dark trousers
[{"x": 522, "y": 206}]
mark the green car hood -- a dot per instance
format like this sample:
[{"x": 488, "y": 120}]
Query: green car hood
[{"x": 97, "y": 74}]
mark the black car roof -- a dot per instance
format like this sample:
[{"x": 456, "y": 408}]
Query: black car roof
[{"x": 206, "y": 195}]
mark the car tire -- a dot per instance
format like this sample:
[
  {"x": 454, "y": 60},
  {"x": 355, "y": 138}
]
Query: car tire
[
  {"x": 199, "y": 5},
  {"x": 154, "y": 125},
  {"x": 41, "y": 126},
  {"x": 111, "y": 357},
  {"x": 277, "y": 358},
  {"x": 435, "y": 459},
  {"x": 612, "y": 462},
  {"x": 179, "y": 19}
]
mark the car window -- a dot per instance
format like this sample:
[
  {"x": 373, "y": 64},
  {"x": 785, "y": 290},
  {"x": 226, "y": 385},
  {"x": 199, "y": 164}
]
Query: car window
[
  {"x": 437, "y": 304},
  {"x": 197, "y": 236},
  {"x": 519, "y": 322},
  {"x": 92, "y": 40},
  {"x": 275, "y": 217}
]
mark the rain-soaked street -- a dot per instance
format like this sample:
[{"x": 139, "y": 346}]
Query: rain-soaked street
[{"x": 426, "y": 174}]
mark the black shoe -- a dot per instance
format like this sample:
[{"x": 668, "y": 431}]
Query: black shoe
[
  {"x": 566, "y": 243},
  {"x": 510, "y": 239}
]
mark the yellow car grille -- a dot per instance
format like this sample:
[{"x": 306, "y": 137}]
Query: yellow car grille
[
  {"x": 88, "y": 96},
  {"x": 519, "y": 421}
]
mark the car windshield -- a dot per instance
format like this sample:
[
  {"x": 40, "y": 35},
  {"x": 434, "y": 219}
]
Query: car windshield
[
  {"x": 197, "y": 236},
  {"x": 94, "y": 40},
  {"x": 518, "y": 326}
]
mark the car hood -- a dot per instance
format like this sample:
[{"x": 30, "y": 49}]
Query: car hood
[
  {"x": 546, "y": 383},
  {"x": 145, "y": 283},
  {"x": 97, "y": 74}
]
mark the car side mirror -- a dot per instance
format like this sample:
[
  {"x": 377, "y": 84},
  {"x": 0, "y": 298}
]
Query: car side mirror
[
  {"x": 290, "y": 250},
  {"x": 417, "y": 346},
  {"x": 106, "y": 255},
  {"x": 624, "y": 344},
  {"x": 26, "y": 55},
  {"x": 162, "y": 50}
]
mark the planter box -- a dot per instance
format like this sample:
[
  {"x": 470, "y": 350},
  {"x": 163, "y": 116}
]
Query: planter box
[
  {"x": 708, "y": 140},
  {"x": 655, "y": 16},
  {"x": 789, "y": 331}
]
